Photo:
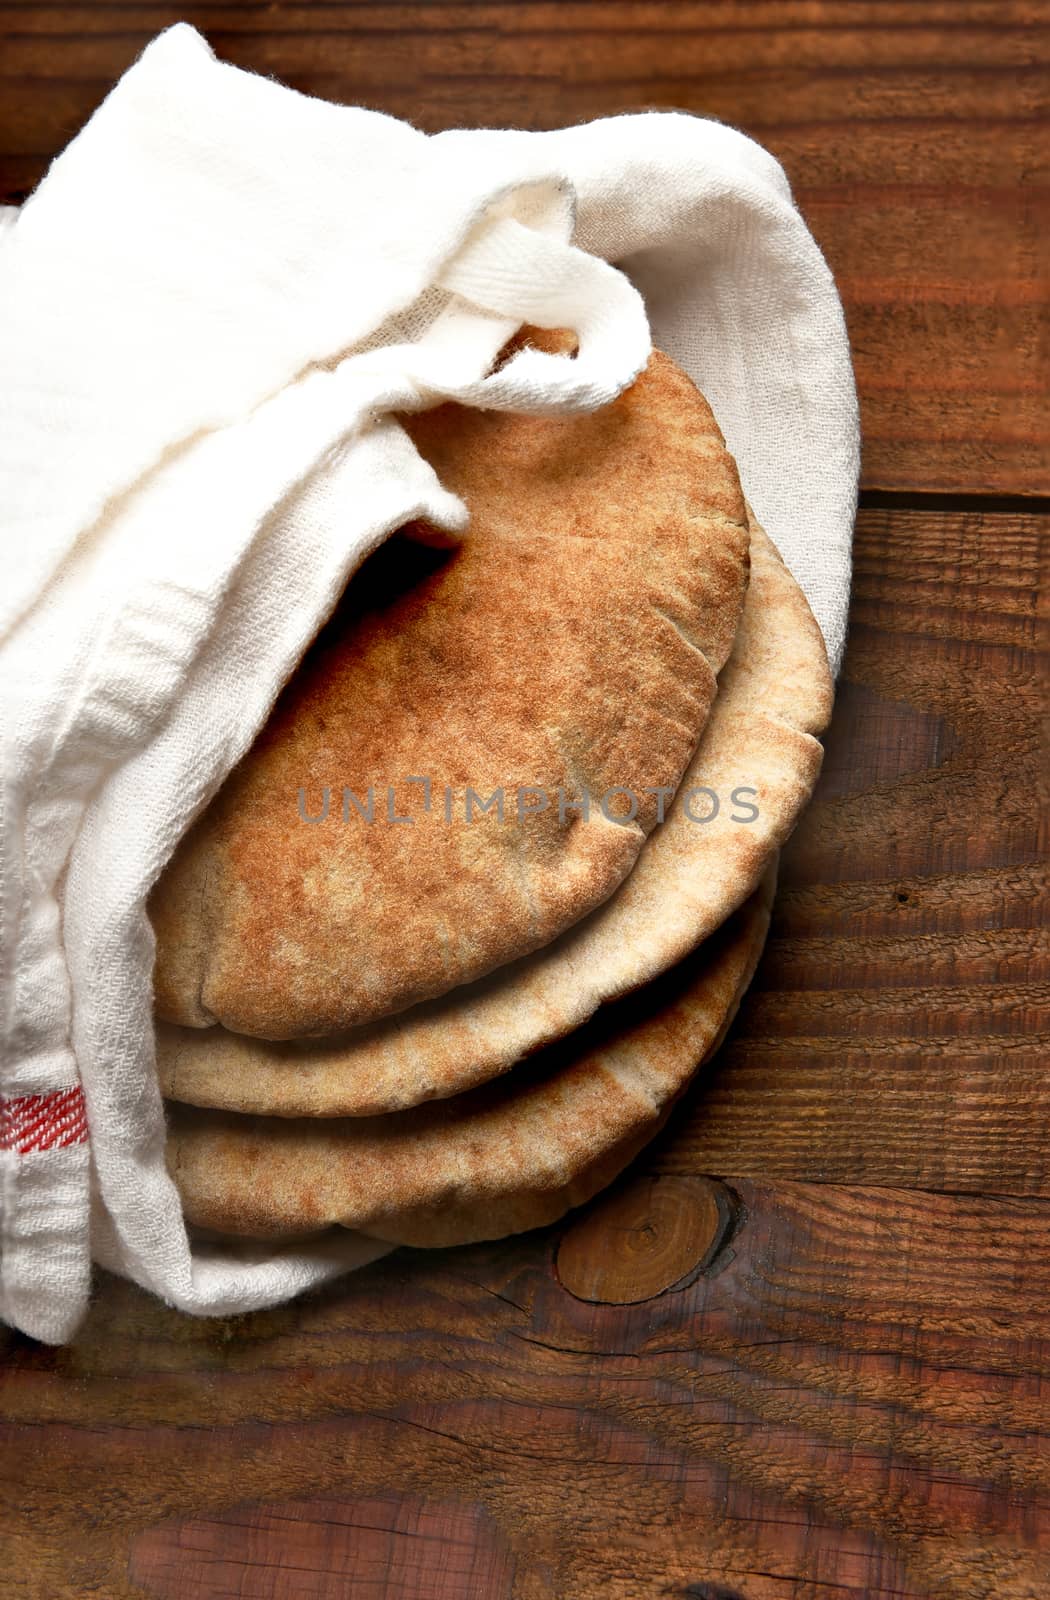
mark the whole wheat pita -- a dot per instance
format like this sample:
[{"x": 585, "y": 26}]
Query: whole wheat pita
[
  {"x": 514, "y": 1154},
  {"x": 568, "y": 644},
  {"x": 774, "y": 696}
]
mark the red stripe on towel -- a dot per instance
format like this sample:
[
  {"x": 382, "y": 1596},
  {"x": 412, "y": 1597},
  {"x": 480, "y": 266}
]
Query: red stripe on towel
[{"x": 34, "y": 1122}]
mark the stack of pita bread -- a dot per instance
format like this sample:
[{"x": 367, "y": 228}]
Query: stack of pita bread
[{"x": 442, "y": 953}]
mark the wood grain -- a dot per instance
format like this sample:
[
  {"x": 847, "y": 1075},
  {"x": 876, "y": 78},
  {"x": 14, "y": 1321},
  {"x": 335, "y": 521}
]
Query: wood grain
[
  {"x": 914, "y": 135},
  {"x": 648, "y": 1235},
  {"x": 845, "y": 1394},
  {"x": 898, "y": 1030},
  {"x": 849, "y": 1398}
]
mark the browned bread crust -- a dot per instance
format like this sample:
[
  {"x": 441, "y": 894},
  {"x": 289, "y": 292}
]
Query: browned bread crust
[
  {"x": 570, "y": 642},
  {"x": 774, "y": 696},
  {"x": 512, "y": 1155}
]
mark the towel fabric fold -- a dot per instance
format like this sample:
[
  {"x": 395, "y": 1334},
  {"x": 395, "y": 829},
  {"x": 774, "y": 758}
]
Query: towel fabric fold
[{"x": 209, "y": 310}]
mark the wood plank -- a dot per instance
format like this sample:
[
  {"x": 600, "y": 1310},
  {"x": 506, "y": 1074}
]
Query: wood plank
[
  {"x": 915, "y": 136},
  {"x": 851, "y": 1400},
  {"x": 850, "y": 1397},
  {"x": 899, "y": 1027}
]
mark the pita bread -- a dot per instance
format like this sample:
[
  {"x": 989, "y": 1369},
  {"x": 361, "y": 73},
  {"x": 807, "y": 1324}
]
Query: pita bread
[
  {"x": 512, "y": 1155},
  {"x": 774, "y": 696},
  {"x": 568, "y": 644}
]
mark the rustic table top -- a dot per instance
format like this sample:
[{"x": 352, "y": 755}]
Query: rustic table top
[{"x": 803, "y": 1351}]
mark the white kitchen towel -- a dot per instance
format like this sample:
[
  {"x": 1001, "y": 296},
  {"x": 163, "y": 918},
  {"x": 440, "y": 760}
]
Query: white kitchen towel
[{"x": 208, "y": 312}]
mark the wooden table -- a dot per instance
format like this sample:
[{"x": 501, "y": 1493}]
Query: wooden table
[{"x": 850, "y": 1397}]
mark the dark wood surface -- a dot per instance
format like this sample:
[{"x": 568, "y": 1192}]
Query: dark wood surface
[
  {"x": 803, "y": 1351},
  {"x": 914, "y": 134}
]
